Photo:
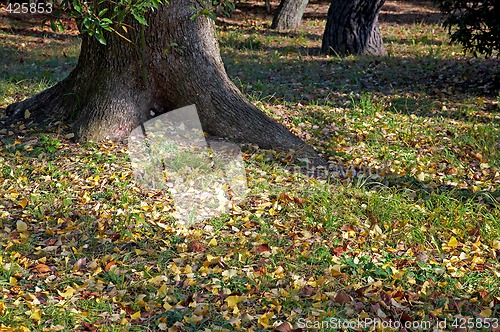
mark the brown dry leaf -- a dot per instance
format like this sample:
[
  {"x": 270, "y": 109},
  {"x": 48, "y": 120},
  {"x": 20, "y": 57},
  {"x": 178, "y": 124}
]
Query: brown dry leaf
[
  {"x": 196, "y": 246},
  {"x": 51, "y": 242},
  {"x": 89, "y": 327},
  {"x": 284, "y": 327},
  {"x": 284, "y": 198},
  {"x": 405, "y": 318},
  {"x": 263, "y": 247},
  {"x": 41, "y": 268},
  {"x": 81, "y": 264},
  {"x": 109, "y": 265},
  {"x": 347, "y": 228},
  {"x": 299, "y": 201},
  {"x": 342, "y": 298},
  {"x": 308, "y": 290},
  {"x": 337, "y": 251}
]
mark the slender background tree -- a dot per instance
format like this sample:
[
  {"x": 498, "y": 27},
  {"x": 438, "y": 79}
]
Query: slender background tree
[
  {"x": 352, "y": 28},
  {"x": 289, "y": 14}
]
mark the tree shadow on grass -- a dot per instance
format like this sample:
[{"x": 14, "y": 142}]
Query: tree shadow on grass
[
  {"x": 29, "y": 65},
  {"x": 37, "y": 33},
  {"x": 412, "y": 42},
  {"x": 298, "y": 75},
  {"x": 409, "y": 12},
  {"x": 228, "y": 25},
  {"x": 422, "y": 191},
  {"x": 424, "y": 106},
  {"x": 26, "y": 65}
]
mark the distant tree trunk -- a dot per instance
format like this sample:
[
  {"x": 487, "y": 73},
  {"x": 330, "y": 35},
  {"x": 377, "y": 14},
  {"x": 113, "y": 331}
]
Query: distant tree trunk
[
  {"x": 172, "y": 62},
  {"x": 289, "y": 14},
  {"x": 352, "y": 28}
]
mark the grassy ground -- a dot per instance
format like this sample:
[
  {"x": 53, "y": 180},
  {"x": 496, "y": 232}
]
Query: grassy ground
[{"x": 408, "y": 232}]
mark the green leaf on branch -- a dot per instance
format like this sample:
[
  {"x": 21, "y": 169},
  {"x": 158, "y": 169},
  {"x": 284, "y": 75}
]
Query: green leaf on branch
[
  {"x": 103, "y": 15},
  {"x": 99, "y": 36},
  {"x": 102, "y": 12},
  {"x": 139, "y": 17}
]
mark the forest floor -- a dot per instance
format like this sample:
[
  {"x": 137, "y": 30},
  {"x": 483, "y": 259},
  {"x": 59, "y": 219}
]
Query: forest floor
[{"x": 409, "y": 234}]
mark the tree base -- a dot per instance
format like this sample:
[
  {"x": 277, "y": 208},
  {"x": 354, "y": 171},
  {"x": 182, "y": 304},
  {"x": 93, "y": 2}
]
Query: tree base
[{"x": 117, "y": 87}]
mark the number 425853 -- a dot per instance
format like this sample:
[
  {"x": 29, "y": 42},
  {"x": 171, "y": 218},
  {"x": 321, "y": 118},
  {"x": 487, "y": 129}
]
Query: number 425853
[{"x": 29, "y": 8}]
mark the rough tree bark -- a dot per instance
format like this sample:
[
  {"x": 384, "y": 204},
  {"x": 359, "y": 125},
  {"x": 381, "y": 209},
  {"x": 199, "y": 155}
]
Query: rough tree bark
[
  {"x": 352, "y": 28},
  {"x": 289, "y": 15},
  {"x": 171, "y": 63}
]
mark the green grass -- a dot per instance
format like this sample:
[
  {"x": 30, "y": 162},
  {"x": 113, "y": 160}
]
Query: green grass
[{"x": 412, "y": 216}]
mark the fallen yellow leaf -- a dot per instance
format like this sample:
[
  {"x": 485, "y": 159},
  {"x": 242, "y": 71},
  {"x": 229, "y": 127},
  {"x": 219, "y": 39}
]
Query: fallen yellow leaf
[
  {"x": 232, "y": 302},
  {"x": 69, "y": 292},
  {"x": 436, "y": 312},
  {"x": 36, "y": 314},
  {"x": 453, "y": 242},
  {"x": 22, "y": 203},
  {"x": 157, "y": 280},
  {"x": 421, "y": 177},
  {"x": 235, "y": 322},
  {"x": 194, "y": 319},
  {"x": 279, "y": 272},
  {"x": 486, "y": 313},
  {"x": 264, "y": 319},
  {"x": 135, "y": 315},
  {"x": 21, "y": 226},
  {"x": 162, "y": 291},
  {"x": 230, "y": 273},
  {"x": 335, "y": 270}
]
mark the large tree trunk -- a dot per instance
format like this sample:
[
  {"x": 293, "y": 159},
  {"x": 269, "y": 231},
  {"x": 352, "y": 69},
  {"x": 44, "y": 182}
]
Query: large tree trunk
[
  {"x": 352, "y": 28},
  {"x": 289, "y": 15},
  {"x": 171, "y": 63}
]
